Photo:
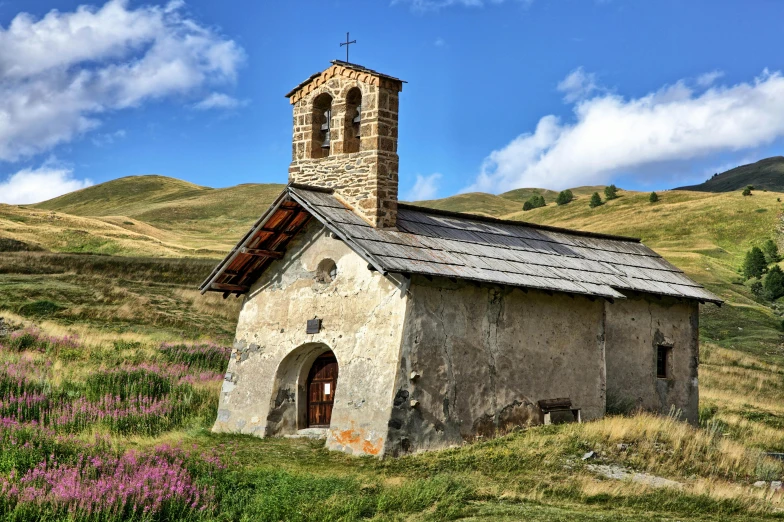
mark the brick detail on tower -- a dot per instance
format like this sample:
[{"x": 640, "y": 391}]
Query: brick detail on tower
[{"x": 363, "y": 171}]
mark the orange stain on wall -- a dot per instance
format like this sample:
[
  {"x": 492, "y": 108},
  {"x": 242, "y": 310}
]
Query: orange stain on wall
[{"x": 357, "y": 440}]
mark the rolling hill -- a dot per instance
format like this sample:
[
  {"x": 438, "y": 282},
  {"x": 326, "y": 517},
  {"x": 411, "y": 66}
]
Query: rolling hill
[
  {"x": 139, "y": 216},
  {"x": 168, "y": 203},
  {"x": 767, "y": 174},
  {"x": 112, "y": 271},
  {"x": 704, "y": 233}
]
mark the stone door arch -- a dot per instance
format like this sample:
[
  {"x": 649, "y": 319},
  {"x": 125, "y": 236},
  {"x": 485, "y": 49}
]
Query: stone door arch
[
  {"x": 288, "y": 411},
  {"x": 321, "y": 385}
]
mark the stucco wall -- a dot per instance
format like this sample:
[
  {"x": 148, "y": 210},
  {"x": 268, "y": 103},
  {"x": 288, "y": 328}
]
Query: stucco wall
[
  {"x": 486, "y": 355},
  {"x": 635, "y": 326},
  {"x": 362, "y": 315}
]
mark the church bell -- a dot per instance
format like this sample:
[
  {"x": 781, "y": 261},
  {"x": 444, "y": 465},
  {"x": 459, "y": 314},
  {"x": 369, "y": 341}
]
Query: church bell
[
  {"x": 356, "y": 121},
  {"x": 325, "y": 129}
]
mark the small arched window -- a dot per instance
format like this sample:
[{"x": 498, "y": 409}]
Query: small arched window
[
  {"x": 327, "y": 271},
  {"x": 353, "y": 120},
  {"x": 322, "y": 121}
]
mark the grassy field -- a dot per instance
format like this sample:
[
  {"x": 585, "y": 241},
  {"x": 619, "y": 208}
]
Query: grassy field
[{"x": 109, "y": 381}]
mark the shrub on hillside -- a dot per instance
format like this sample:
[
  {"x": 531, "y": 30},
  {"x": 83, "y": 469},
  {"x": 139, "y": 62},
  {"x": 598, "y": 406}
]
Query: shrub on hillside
[
  {"x": 653, "y": 198},
  {"x": 39, "y": 308},
  {"x": 754, "y": 265},
  {"x": 774, "y": 283},
  {"x": 596, "y": 200},
  {"x": 610, "y": 192},
  {"x": 771, "y": 251},
  {"x": 564, "y": 197},
  {"x": 747, "y": 191},
  {"x": 534, "y": 201}
]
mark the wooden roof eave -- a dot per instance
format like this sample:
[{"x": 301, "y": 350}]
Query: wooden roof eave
[{"x": 218, "y": 270}]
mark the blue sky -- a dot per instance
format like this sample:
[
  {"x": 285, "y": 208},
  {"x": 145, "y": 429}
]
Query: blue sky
[{"x": 500, "y": 94}]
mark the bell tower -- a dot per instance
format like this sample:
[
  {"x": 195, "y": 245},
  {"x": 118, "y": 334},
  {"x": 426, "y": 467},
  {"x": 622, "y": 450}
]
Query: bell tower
[{"x": 345, "y": 138}]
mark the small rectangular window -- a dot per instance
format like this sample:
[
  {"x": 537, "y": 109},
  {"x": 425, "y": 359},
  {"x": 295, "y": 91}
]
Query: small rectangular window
[{"x": 663, "y": 361}]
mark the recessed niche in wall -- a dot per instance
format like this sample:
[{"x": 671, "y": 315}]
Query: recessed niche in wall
[{"x": 327, "y": 271}]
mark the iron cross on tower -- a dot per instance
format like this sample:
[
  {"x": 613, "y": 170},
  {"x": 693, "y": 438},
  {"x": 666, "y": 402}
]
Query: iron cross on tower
[{"x": 347, "y": 44}]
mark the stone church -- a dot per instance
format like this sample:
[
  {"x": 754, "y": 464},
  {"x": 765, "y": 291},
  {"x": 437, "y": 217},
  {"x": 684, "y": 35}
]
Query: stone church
[{"x": 390, "y": 328}]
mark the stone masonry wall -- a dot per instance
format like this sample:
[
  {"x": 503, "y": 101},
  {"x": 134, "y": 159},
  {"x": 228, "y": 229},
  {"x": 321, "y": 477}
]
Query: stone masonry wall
[{"x": 367, "y": 180}]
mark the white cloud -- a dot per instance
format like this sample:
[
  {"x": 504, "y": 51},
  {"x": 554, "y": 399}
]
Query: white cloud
[
  {"x": 436, "y": 5},
  {"x": 425, "y": 187},
  {"x": 108, "y": 138},
  {"x": 218, "y": 100},
  {"x": 440, "y": 42},
  {"x": 578, "y": 85},
  {"x": 36, "y": 185},
  {"x": 611, "y": 135},
  {"x": 707, "y": 79},
  {"x": 60, "y": 74}
]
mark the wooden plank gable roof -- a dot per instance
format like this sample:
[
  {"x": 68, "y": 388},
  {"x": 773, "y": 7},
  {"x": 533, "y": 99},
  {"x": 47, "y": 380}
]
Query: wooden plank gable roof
[{"x": 460, "y": 246}]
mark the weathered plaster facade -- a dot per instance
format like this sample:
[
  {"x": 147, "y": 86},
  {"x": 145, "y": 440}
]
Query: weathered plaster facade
[
  {"x": 362, "y": 314},
  {"x": 483, "y": 356},
  {"x": 635, "y": 328}
]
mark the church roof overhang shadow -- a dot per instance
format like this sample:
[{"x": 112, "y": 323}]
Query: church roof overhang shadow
[{"x": 436, "y": 243}]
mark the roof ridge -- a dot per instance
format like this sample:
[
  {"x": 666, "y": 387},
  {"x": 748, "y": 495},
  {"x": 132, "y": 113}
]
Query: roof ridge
[{"x": 489, "y": 219}]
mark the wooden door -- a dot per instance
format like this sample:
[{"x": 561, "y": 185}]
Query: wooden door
[{"x": 322, "y": 380}]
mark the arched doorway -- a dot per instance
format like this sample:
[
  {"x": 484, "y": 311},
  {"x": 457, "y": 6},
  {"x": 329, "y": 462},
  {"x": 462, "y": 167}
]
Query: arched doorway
[{"x": 321, "y": 383}]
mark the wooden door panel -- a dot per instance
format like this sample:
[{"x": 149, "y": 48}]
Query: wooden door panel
[{"x": 322, "y": 381}]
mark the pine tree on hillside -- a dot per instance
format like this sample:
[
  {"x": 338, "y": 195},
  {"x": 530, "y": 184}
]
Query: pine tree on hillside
[
  {"x": 535, "y": 201},
  {"x": 653, "y": 198},
  {"x": 610, "y": 192},
  {"x": 564, "y": 197},
  {"x": 596, "y": 200},
  {"x": 755, "y": 264},
  {"x": 771, "y": 251},
  {"x": 774, "y": 283}
]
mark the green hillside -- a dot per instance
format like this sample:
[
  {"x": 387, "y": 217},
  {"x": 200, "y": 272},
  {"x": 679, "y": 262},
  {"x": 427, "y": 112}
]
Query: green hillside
[
  {"x": 140, "y": 215},
  {"x": 474, "y": 203},
  {"x": 706, "y": 234},
  {"x": 767, "y": 174},
  {"x": 522, "y": 195},
  {"x": 106, "y": 283},
  {"x": 123, "y": 196},
  {"x": 169, "y": 203}
]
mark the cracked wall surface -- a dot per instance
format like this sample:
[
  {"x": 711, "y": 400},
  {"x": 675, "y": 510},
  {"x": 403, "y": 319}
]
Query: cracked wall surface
[
  {"x": 362, "y": 316},
  {"x": 635, "y": 326},
  {"x": 483, "y": 356}
]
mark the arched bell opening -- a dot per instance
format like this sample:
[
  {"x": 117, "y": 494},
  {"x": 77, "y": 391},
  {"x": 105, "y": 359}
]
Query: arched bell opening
[
  {"x": 321, "y": 122},
  {"x": 352, "y": 120},
  {"x": 321, "y": 384}
]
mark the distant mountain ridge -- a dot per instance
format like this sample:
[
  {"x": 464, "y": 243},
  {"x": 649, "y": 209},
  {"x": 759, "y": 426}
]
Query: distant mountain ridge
[{"x": 767, "y": 174}]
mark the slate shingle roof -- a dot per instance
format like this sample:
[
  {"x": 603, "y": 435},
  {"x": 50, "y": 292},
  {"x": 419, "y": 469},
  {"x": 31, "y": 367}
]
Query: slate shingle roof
[{"x": 461, "y": 246}]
